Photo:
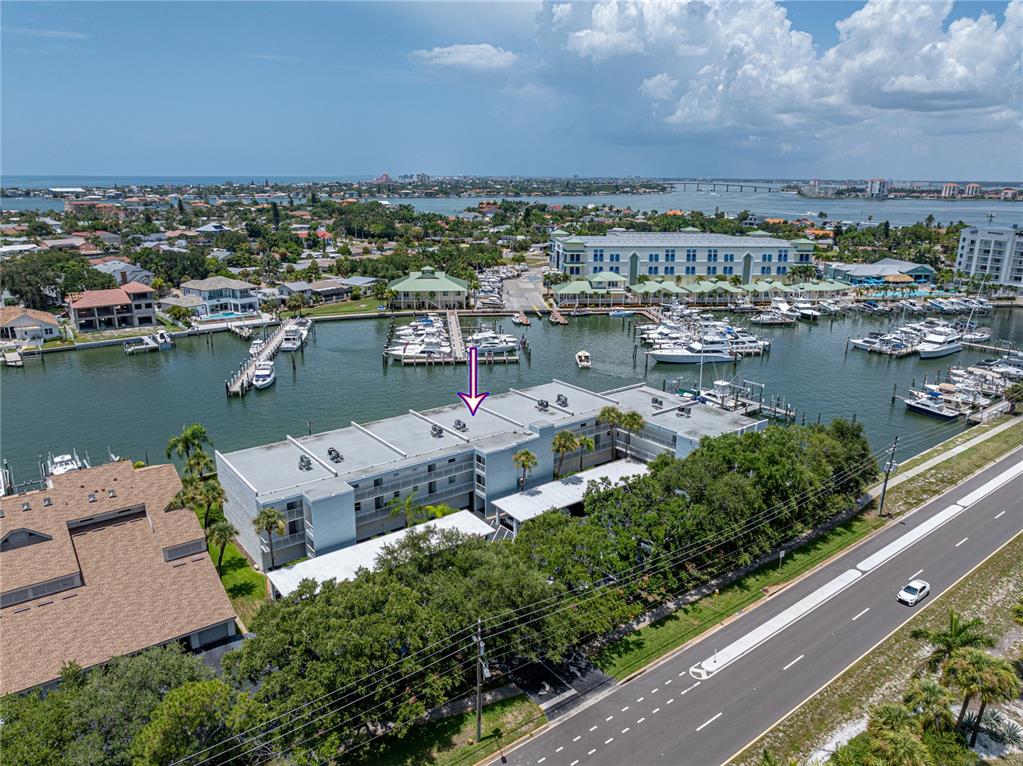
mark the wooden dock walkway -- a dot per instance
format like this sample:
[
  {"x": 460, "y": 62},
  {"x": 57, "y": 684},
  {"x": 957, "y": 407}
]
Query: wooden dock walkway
[
  {"x": 241, "y": 381},
  {"x": 987, "y": 347},
  {"x": 458, "y": 353},
  {"x": 13, "y": 359},
  {"x": 557, "y": 318}
]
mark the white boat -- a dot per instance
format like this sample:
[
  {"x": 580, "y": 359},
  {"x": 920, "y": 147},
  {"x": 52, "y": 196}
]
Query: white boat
[
  {"x": 933, "y": 406},
  {"x": 806, "y": 309},
  {"x": 293, "y": 339},
  {"x": 939, "y": 343},
  {"x": 772, "y": 318},
  {"x": 697, "y": 352},
  {"x": 164, "y": 340},
  {"x": 582, "y": 358},
  {"x": 58, "y": 465},
  {"x": 979, "y": 335},
  {"x": 264, "y": 376},
  {"x": 256, "y": 346},
  {"x": 489, "y": 342},
  {"x": 782, "y": 307},
  {"x": 869, "y": 343}
]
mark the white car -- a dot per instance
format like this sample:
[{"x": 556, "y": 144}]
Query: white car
[{"x": 914, "y": 592}]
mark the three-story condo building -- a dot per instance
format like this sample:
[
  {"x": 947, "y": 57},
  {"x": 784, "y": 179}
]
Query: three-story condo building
[
  {"x": 340, "y": 487},
  {"x": 674, "y": 254}
]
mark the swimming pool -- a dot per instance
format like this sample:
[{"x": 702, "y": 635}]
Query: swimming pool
[{"x": 221, "y": 315}]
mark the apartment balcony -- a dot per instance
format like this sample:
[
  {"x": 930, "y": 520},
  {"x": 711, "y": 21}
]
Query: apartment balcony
[
  {"x": 362, "y": 493},
  {"x": 280, "y": 543}
]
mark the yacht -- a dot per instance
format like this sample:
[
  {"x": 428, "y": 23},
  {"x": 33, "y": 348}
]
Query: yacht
[
  {"x": 939, "y": 343},
  {"x": 933, "y": 406},
  {"x": 410, "y": 350},
  {"x": 721, "y": 396},
  {"x": 980, "y": 335},
  {"x": 806, "y": 309},
  {"x": 264, "y": 376},
  {"x": 293, "y": 339},
  {"x": 772, "y": 318},
  {"x": 256, "y": 346},
  {"x": 58, "y": 465},
  {"x": 489, "y": 342},
  {"x": 782, "y": 307},
  {"x": 582, "y": 358},
  {"x": 696, "y": 352}
]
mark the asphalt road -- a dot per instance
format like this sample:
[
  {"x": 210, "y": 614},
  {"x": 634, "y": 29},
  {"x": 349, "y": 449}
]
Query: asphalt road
[{"x": 667, "y": 716}]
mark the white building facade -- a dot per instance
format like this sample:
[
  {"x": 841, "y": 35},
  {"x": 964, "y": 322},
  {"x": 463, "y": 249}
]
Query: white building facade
[
  {"x": 992, "y": 253},
  {"x": 674, "y": 254},
  {"x": 342, "y": 487}
]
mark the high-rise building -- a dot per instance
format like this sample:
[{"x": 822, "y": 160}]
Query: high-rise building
[
  {"x": 993, "y": 253},
  {"x": 950, "y": 190},
  {"x": 972, "y": 190},
  {"x": 877, "y": 188}
]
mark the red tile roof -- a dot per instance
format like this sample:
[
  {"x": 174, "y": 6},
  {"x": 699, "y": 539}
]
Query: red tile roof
[{"x": 92, "y": 299}]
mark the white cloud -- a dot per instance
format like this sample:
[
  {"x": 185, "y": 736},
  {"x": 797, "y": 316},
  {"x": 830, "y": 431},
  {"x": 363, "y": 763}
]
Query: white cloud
[
  {"x": 49, "y": 34},
  {"x": 660, "y": 87},
  {"x": 560, "y": 13},
  {"x": 479, "y": 56},
  {"x": 737, "y": 65}
]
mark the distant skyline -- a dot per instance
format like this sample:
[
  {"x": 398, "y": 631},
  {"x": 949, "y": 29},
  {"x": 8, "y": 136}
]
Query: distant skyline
[{"x": 890, "y": 88}]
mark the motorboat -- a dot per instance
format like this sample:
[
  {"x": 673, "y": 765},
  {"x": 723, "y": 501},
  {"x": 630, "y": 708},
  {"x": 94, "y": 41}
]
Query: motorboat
[
  {"x": 58, "y": 465},
  {"x": 488, "y": 342},
  {"x": 293, "y": 339},
  {"x": 721, "y": 396},
  {"x": 256, "y": 346},
  {"x": 782, "y": 307},
  {"x": 772, "y": 318},
  {"x": 696, "y": 352},
  {"x": 806, "y": 309},
  {"x": 520, "y": 319},
  {"x": 939, "y": 343},
  {"x": 980, "y": 335},
  {"x": 164, "y": 340},
  {"x": 264, "y": 376},
  {"x": 870, "y": 343},
  {"x": 620, "y": 313},
  {"x": 582, "y": 358},
  {"x": 932, "y": 405}
]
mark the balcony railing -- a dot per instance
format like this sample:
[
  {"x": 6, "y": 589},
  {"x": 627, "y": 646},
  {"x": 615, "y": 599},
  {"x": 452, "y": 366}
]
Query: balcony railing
[
  {"x": 282, "y": 542},
  {"x": 397, "y": 485}
]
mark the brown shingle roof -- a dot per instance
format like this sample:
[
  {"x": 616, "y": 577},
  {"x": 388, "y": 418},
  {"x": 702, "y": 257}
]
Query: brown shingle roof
[{"x": 131, "y": 597}]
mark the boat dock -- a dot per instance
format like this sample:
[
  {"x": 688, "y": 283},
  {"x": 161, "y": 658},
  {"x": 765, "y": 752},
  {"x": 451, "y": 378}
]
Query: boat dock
[
  {"x": 13, "y": 359},
  {"x": 987, "y": 347},
  {"x": 557, "y": 318},
  {"x": 458, "y": 353},
  {"x": 242, "y": 331},
  {"x": 141, "y": 345},
  {"x": 241, "y": 381},
  {"x": 984, "y": 415}
]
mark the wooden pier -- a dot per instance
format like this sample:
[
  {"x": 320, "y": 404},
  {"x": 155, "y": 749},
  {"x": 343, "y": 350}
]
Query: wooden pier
[
  {"x": 242, "y": 331},
  {"x": 987, "y": 347},
  {"x": 241, "y": 381},
  {"x": 141, "y": 345},
  {"x": 557, "y": 318},
  {"x": 458, "y": 353},
  {"x": 13, "y": 359}
]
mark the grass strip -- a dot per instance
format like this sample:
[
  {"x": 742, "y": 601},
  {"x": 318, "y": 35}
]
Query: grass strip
[
  {"x": 988, "y": 594},
  {"x": 955, "y": 441},
  {"x": 363, "y": 305},
  {"x": 244, "y": 585},
  {"x": 450, "y": 741}
]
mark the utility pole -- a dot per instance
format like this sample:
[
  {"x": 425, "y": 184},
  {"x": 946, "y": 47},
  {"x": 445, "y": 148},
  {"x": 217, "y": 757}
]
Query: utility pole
[
  {"x": 889, "y": 466},
  {"x": 481, "y": 669}
]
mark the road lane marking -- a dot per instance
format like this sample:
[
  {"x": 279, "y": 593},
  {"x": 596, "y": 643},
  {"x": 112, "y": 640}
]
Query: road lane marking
[
  {"x": 708, "y": 722},
  {"x": 681, "y": 674},
  {"x": 656, "y": 690},
  {"x": 670, "y": 701},
  {"x": 916, "y": 573},
  {"x": 655, "y": 710},
  {"x": 691, "y": 688},
  {"x": 592, "y": 728},
  {"x": 609, "y": 740},
  {"x": 667, "y": 682},
  {"x": 625, "y": 729},
  {"x": 592, "y": 751},
  {"x": 625, "y": 708},
  {"x": 641, "y": 719},
  {"x": 608, "y": 718},
  {"x": 560, "y": 749},
  {"x": 961, "y": 542},
  {"x": 541, "y": 760},
  {"x": 573, "y": 763},
  {"x": 578, "y": 738},
  {"x": 854, "y": 619},
  {"x": 640, "y": 699},
  {"x": 794, "y": 662},
  {"x": 998, "y": 516}
]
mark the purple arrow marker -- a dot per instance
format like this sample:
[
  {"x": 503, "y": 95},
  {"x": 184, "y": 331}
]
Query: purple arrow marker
[{"x": 473, "y": 399}]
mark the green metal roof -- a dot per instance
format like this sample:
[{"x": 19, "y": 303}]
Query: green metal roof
[
  {"x": 579, "y": 287},
  {"x": 429, "y": 280},
  {"x": 657, "y": 286}
]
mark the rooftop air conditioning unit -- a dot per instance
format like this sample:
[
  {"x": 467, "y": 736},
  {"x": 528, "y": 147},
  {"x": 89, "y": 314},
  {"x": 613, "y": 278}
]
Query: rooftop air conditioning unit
[
  {"x": 304, "y": 463},
  {"x": 542, "y": 404},
  {"x": 460, "y": 425},
  {"x": 562, "y": 400},
  {"x": 436, "y": 430},
  {"x": 656, "y": 401},
  {"x": 334, "y": 455}
]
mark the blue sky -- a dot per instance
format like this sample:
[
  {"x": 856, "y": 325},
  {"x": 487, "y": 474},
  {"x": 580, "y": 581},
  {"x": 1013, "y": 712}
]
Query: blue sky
[{"x": 698, "y": 87}]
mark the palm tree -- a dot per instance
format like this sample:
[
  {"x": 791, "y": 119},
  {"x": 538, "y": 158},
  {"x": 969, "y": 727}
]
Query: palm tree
[
  {"x": 902, "y": 748},
  {"x": 193, "y": 438},
  {"x": 999, "y": 683},
  {"x": 212, "y": 495},
  {"x": 931, "y": 702},
  {"x": 611, "y": 416},
  {"x": 525, "y": 461},
  {"x": 959, "y": 634},
  {"x": 220, "y": 533},
  {"x": 890, "y": 717},
  {"x": 632, "y": 422},
  {"x": 199, "y": 464},
  {"x": 584, "y": 444},
  {"x": 563, "y": 443},
  {"x": 269, "y": 520},
  {"x": 964, "y": 671}
]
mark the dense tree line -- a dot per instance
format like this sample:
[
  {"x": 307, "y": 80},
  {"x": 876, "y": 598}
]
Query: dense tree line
[
  {"x": 388, "y": 646},
  {"x": 42, "y": 279}
]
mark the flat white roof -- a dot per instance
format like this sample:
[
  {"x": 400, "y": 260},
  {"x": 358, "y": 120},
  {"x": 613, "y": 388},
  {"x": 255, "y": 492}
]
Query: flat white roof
[
  {"x": 564, "y": 492},
  {"x": 343, "y": 564}
]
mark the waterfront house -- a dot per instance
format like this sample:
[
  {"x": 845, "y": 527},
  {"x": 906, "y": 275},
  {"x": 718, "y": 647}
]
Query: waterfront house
[
  {"x": 657, "y": 290},
  {"x": 22, "y": 324},
  {"x": 299, "y": 286},
  {"x": 339, "y": 487},
  {"x": 102, "y": 563},
  {"x": 125, "y": 272},
  {"x": 429, "y": 289},
  {"x": 330, "y": 290},
  {"x": 131, "y": 305},
  {"x": 664, "y": 253},
  {"x": 601, "y": 289},
  {"x": 875, "y": 273},
  {"x": 217, "y": 295}
]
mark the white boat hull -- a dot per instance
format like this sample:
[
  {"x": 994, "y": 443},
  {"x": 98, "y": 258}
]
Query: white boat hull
[
  {"x": 688, "y": 357},
  {"x": 938, "y": 350}
]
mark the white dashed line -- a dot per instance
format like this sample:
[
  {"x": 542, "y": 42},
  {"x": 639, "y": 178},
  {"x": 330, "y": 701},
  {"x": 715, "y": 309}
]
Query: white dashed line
[
  {"x": 656, "y": 690},
  {"x": 854, "y": 619},
  {"x": 592, "y": 728},
  {"x": 708, "y": 722},
  {"x": 681, "y": 674},
  {"x": 573, "y": 763},
  {"x": 794, "y": 662},
  {"x": 541, "y": 760},
  {"x": 625, "y": 729},
  {"x": 667, "y": 682},
  {"x": 998, "y": 516},
  {"x": 640, "y": 699},
  {"x": 625, "y": 708},
  {"x": 592, "y": 751},
  {"x": 609, "y": 740},
  {"x": 641, "y": 719},
  {"x": 916, "y": 573},
  {"x": 691, "y": 688},
  {"x": 670, "y": 701},
  {"x": 655, "y": 710},
  {"x": 577, "y": 738},
  {"x": 961, "y": 542},
  {"x": 560, "y": 749}
]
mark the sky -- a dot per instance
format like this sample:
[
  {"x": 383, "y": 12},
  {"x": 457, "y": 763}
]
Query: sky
[{"x": 901, "y": 89}]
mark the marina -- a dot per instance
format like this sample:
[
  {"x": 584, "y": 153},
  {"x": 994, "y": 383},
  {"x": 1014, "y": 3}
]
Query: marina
[{"x": 342, "y": 379}]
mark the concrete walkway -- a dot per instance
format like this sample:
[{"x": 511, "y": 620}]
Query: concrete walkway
[{"x": 946, "y": 455}]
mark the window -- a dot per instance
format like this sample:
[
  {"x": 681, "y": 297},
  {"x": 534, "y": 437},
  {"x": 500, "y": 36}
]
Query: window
[
  {"x": 358, "y": 507},
  {"x": 712, "y": 254},
  {"x": 727, "y": 269},
  {"x": 651, "y": 269},
  {"x": 615, "y": 269},
  {"x": 431, "y": 467},
  {"x": 451, "y": 459},
  {"x": 712, "y": 269},
  {"x": 452, "y": 479},
  {"x": 690, "y": 255},
  {"x": 690, "y": 270},
  {"x": 615, "y": 257},
  {"x": 765, "y": 269},
  {"x": 377, "y": 482},
  {"x": 729, "y": 257},
  {"x": 654, "y": 257},
  {"x": 598, "y": 254},
  {"x": 783, "y": 255},
  {"x": 573, "y": 270},
  {"x": 597, "y": 269},
  {"x": 294, "y": 526},
  {"x": 766, "y": 257},
  {"x": 293, "y": 505},
  {"x": 669, "y": 269},
  {"x": 669, "y": 254},
  {"x": 782, "y": 269}
]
